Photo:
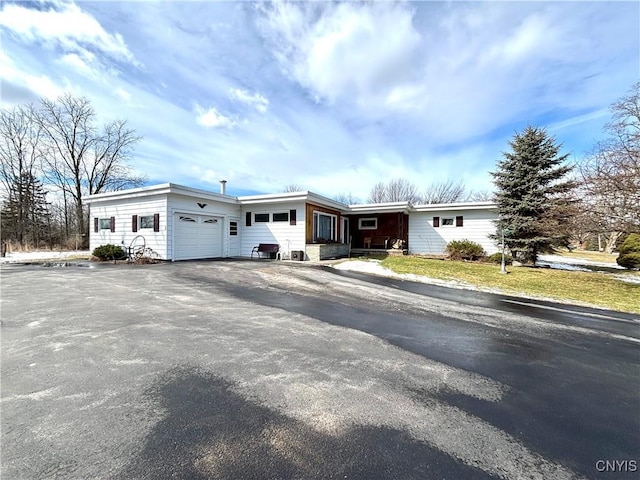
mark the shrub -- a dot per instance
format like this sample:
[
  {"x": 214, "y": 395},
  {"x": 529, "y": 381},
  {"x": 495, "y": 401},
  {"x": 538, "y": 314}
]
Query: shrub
[
  {"x": 464, "y": 250},
  {"x": 629, "y": 260},
  {"x": 629, "y": 256},
  {"x": 497, "y": 258},
  {"x": 108, "y": 252}
]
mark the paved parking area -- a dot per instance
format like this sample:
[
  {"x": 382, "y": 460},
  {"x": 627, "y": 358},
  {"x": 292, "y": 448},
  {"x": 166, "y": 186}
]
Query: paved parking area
[{"x": 271, "y": 370}]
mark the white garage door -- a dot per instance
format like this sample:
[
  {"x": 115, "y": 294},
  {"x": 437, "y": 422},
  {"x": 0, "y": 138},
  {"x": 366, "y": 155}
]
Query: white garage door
[{"x": 197, "y": 236}]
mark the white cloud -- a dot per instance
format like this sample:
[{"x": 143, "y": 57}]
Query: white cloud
[
  {"x": 346, "y": 51},
  {"x": 123, "y": 94},
  {"x": 39, "y": 84},
  {"x": 256, "y": 100},
  {"x": 212, "y": 118},
  {"x": 67, "y": 26}
]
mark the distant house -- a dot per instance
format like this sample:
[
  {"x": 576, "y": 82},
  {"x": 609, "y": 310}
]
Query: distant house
[{"x": 183, "y": 223}]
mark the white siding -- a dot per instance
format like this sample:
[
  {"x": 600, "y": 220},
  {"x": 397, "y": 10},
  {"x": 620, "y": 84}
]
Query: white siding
[
  {"x": 122, "y": 210},
  {"x": 289, "y": 237},
  {"x": 189, "y": 205},
  {"x": 425, "y": 239}
]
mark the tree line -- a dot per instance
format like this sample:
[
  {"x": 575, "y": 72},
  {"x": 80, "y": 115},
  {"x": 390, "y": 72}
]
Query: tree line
[{"x": 53, "y": 155}]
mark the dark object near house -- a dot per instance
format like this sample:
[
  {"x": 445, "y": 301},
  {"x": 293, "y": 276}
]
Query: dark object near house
[
  {"x": 269, "y": 248},
  {"x": 4, "y": 249},
  {"x": 297, "y": 255},
  {"x": 376, "y": 241}
]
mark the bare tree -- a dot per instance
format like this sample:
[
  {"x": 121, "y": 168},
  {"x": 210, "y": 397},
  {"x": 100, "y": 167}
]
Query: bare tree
[
  {"x": 480, "y": 196},
  {"x": 292, "y": 188},
  {"x": 81, "y": 159},
  {"x": 444, "y": 192},
  {"x": 610, "y": 175},
  {"x": 346, "y": 198},
  {"x": 395, "y": 190},
  {"x": 20, "y": 156}
]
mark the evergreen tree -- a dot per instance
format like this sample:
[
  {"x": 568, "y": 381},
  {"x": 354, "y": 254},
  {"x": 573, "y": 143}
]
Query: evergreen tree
[
  {"x": 531, "y": 195},
  {"x": 25, "y": 214}
]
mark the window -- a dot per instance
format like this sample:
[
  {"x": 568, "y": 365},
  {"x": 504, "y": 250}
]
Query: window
[
  {"x": 281, "y": 217},
  {"x": 368, "y": 223},
  {"x": 261, "y": 217},
  {"x": 233, "y": 229},
  {"x": 187, "y": 219},
  {"x": 447, "y": 221},
  {"x": 324, "y": 227},
  {"x": 105, "y": 224},
  {"x": 146, "y": 221}
]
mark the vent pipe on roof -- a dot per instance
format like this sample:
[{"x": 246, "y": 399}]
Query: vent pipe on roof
[{"x": 223, "y": 187}]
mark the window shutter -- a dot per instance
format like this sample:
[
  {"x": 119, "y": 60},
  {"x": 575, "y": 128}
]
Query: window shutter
[
  {"x": 134, "y": 223},
  {"x": 112, "y": 224},
  {"x": 459, "y": 221},
  {"x": 156, "y": 222},
  {"x": 436, "y": 222},
  {"x": 95, "y": 224},
  {"x": 292, "y": 217},
  {"x": 247, "y": 219}
]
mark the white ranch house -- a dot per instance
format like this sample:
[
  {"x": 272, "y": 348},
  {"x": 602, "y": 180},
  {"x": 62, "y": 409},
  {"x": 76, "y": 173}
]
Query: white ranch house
[{"x": 183, "y": 223}]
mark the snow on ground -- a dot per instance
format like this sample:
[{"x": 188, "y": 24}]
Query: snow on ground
[
  {"x": 48, "y": 255},
  {"x": 560, "y": 260},
  {"x": 374, "y": 267}
]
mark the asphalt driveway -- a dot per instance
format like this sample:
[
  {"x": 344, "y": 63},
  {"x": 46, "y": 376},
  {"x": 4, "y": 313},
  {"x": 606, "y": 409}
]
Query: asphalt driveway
[{"x": 237, "y": 369}]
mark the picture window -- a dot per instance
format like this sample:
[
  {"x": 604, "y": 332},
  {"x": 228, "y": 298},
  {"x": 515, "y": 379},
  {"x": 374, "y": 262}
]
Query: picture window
[
  {"x": 448, "y": 222},
  {"x": 105, "y": 224},
  {"x": 368, "y": 223},
  {"x": 261, "y": 218},
  {"x": 281, "y": 217}
]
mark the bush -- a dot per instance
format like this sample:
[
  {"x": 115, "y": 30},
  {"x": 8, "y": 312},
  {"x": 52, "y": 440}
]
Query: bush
[
  {"x": 629, "y": 260},
  {"x": 629, "y": 256},
  {"x": 497, "y": 258},
  {"x": 108, "y": 252},
  {"x": 464, "y": 250}
]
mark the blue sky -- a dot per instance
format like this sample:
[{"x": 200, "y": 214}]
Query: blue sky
[{"x": 330, "y": 96}]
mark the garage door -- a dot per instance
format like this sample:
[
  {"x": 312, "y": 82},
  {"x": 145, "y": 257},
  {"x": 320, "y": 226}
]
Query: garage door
[{"x": 197, "y": 236}]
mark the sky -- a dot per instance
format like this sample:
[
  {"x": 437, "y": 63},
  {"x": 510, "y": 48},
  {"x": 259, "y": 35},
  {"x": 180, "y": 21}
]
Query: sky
[{"x": 331, "y": 96}]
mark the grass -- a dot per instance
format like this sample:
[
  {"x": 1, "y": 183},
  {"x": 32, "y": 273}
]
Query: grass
[
  {"x": 592, "y": 288},
  {"x": 603, "y": 257}
]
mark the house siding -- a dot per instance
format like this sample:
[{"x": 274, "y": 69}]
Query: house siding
[
  {"x": 477, "y": 226},
  {"x": 122, "y": 210},
  {"x": 289, "y": 237}
]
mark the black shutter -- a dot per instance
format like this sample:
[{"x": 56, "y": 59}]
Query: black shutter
[
  {"x": 459, "y": 221},
  {"x": 247, "y": 219},
  {"x": 96, "y": 223},
  {"x": 156, "y": 222},
  {"x": 112, "y": 224},
  {"x": 134, "y": 223},
  {"x": 436, "y": 222},
  {"x": 292, "y": 217}
]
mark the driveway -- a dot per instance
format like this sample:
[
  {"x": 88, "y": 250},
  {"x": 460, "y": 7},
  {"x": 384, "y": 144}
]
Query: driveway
[{"x": 238, "y": 369}]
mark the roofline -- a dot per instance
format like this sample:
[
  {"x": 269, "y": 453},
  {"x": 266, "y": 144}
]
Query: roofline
[
  {"x": 389, "y": 207},
  {"x": 432, "y": 207},
  {"x": 161, "y": 189},
  {"x": 303, "y": 196}
]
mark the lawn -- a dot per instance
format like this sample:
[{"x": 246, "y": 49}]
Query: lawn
[
  {"x": 590, "y": 255},
  {"x": 593, "y": 288}
]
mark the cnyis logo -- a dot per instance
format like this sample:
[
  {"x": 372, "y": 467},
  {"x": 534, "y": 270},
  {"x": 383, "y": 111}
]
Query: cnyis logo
[{"x": 617, "y": 466}]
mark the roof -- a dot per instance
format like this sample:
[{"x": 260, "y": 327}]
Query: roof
[
  {"x": 436, "y": 207},
  {"x": 391, "y": 207},
  {"x": 304, "y": 196},
  {"x": 271, "y": 198},
  {"x": 161, "y": 189}
]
